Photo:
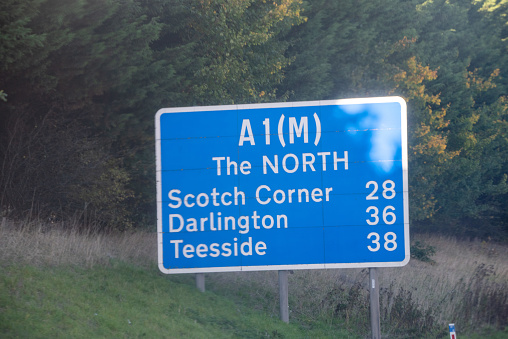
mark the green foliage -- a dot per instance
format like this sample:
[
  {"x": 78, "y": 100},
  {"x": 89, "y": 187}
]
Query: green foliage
[
  {"x": 125, "y": 301},
  {"x": 468, "y": 85},
  {"x": 17, "y": 40},
  {"x": 422, "y": 252},
  {"x": 106, "y": 197},
  {"x": 81, "y": 272},
  {"x": 72, "y": 56},
  {"x": 482, "y": 295},
  {"x": 229, "y": 50},
  {"x": 448, "y": 60},
  {"x": 405, "y": 315},
  {"x": 102, "y": 68},
  {"x": 93, "y": 73}
]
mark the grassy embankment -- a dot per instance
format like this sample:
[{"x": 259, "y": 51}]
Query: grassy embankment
[{"x": 57, "y": 283}]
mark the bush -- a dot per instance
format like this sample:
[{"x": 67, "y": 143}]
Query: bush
[
  {"x": 422, "y": 252},
  {"x": 55, "y": 170}
]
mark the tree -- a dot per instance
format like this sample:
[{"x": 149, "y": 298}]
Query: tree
[
  {"x": 55, "y": 148},
  {"x": 449, "y": 60},
  {"x": 229, "y": 51},
  {"x": 465, "y": 41},
  {"x": 77, "y": 130}
]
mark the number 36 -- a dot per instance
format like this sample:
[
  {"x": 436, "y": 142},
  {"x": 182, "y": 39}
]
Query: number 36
[{"x": 388, "y": 216}]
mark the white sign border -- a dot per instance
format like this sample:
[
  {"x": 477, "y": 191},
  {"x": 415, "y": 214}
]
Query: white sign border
[{"x": 338, "y": 102}]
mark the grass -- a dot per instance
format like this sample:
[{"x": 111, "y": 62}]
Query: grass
[
  {"x": 68, "y": 284},
  {"x": 123, "y": 301},
  {"x": 36, "y": 243},
  {"x": 59, "y": 281},
  {"x": 490, "y": 333},
  {"x": 466, "y": 283}
]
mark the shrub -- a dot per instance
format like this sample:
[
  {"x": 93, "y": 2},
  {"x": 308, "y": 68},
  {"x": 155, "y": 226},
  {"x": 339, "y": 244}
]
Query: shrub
[{"x": 422, "y": 252}]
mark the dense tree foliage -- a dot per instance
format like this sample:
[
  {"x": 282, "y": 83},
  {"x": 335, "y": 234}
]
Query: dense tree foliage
[
  {"x": 80, "y": 81},
  {"x": 448, "y": 59}
]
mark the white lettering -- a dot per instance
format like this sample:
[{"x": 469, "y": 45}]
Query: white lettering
[
  {"x": 177, "y": 199},
  {"x": 246, "y": 128},
  {"x": 200, "y": 249},
  {"x": 293, "y": 127},
  {"x": 336, "y": 160},
  {"x": 199, "y": 202},
  {"x": 226, "y": 249},
  {"x": 260, "y": 248},
  {"x": 316, "y": 194},
  {"x": 303, "y": 190},
  {"x": 258, "y": 197},
  {"x": 223, "y": 200},
  {"x": 249, "y": 246},
  {"x": 266, "y": 122},
  {"x": 186, "y": 200},
  {"x": 171, "y": 228},
  {"x": 230, "y": 163},
  {"x": 279, "y": 218},
  {"x": 265, "y": 225},
  {"x": 283, "y": 196},
  {"x": 245, "y": 166},
  {"x": 214, "y": 195},
  {"x": 306, "y": 162},
  {"x": 243, "y": 223},
  {"x": 237, "y": 194},
  {"x": 203, "y": 200},
  {"x": 279, "y": 196},
  {"x": 192, "y": 225},
  {"x": 328, "y": 190},
  {"x": 323, "y": 156},
  {"x": 284, "y": 163},
  {"x": 188, "y": 250},
  {"x": 176, "y": 242},
  {"x": 266, "y": 161},
  {"x": 218, "y": 159},
  {"x": 215, "y": 250}
]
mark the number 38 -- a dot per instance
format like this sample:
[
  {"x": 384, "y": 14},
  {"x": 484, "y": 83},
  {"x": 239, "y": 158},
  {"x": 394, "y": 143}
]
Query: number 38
[{"x": 389, "y": 245}]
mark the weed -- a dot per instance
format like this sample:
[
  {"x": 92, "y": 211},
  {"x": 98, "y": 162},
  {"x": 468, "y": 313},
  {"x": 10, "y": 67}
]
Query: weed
[
  {"x": 403, "y": 314},
  {"x": 484, "y": 299},
  {"x": 422, "y": 252},
  {"x": 467, "y": 284}
]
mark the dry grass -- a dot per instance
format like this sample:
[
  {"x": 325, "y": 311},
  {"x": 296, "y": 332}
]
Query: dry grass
[
  {"x": 37, "y": 244},
  {"x": 460, "y": 266},
  {"x": 467, "y": 284}
]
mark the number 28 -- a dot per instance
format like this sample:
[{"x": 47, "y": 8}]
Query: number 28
[{"x": 388, "y": 190}]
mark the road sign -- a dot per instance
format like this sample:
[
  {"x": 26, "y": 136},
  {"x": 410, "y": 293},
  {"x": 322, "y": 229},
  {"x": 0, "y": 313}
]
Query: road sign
[
  {"x": 453, "y": 335},
  {"x": 297, "y": 185}
]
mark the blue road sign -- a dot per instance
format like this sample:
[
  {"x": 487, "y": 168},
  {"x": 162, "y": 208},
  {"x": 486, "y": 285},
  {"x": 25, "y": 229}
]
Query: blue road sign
[{"x": 297, "y": 185}]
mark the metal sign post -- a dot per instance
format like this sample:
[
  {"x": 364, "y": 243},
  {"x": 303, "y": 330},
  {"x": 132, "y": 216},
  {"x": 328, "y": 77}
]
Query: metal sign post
[
  {"x": 284, "y": 296},
  {"x": 375, "y": 322},
  {"x": 200, "y": 281}
]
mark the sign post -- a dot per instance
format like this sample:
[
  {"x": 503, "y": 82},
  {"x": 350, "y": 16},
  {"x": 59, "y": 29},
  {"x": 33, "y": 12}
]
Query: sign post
[
  {"x": 200, "y": 281},
  {"x": 375, "y": 323},
  {"x": 284, "y": 296},
  {"x": 284, "y": 186}
]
